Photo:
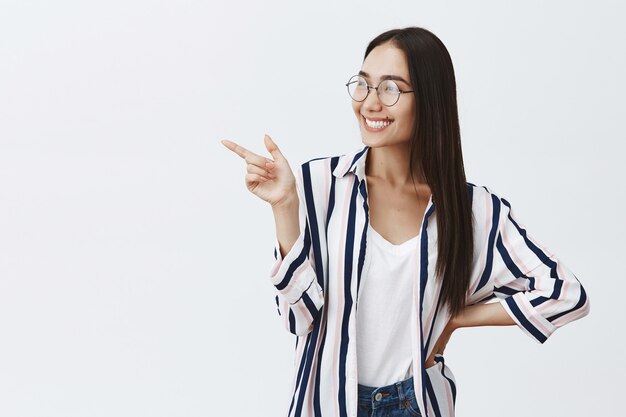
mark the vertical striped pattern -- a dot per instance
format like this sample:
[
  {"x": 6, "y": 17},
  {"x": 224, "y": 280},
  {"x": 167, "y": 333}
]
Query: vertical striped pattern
[{"x": 318, "y": 280}]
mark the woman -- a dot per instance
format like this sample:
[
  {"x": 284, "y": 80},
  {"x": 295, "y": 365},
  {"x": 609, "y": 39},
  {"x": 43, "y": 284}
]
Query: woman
[{"x": 381, "y": 253}]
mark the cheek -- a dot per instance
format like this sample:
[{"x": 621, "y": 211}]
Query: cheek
[
  {"x": 407, "y": 124},
  {"x": 408, "y": 116}
]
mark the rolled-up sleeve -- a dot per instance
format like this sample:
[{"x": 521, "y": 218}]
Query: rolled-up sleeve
[
  {"x": 534, "y": 286},
  {"x": 299, "y": 297}
]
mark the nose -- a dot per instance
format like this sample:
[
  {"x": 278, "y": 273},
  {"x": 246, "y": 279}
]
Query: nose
[{"x": 372, "y": 102}]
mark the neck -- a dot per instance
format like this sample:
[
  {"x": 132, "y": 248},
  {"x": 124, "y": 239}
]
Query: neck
[{"x": 390, "y": 164}]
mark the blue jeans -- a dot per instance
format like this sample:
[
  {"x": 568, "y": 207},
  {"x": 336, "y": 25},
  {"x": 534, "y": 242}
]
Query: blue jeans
[{"x": 394, "y": 400}]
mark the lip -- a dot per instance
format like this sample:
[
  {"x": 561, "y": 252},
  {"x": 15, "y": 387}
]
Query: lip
[
  {"x": 376, "y": 119},
  {"x": 371, "y": 129}
]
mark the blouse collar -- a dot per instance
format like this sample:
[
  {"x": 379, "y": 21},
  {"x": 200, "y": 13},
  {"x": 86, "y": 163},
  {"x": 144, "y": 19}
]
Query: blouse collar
[{"x": 353, "y": 162}]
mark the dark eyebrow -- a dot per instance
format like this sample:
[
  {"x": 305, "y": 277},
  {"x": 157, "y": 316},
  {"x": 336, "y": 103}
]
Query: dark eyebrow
[{"x": 386, "y": 77}]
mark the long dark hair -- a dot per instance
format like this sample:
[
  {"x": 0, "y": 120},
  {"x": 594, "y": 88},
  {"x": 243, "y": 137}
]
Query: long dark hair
[{"x": 435, "y": 150}]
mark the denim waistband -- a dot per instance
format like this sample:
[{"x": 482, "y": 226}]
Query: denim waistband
[{"x": 388, "y": 394}]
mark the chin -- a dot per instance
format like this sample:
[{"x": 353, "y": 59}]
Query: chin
[{"x": 372, "y": 143}]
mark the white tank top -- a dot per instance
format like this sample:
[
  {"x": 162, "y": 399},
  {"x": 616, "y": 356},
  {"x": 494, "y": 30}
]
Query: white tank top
[{"x": 383, "y": 311}]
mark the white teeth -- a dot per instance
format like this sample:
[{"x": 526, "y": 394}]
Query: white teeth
[{"x": 377, "y": 124}]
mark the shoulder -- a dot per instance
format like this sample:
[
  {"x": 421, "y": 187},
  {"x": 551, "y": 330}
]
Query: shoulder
[
  {"x": 486, "y": 202},
  {"x": 317, "y": 176},
  {"x": 482, "y": 192},
  {"x": 327, "y": 162},
  {"x": 323, "y": 169},
  {"x": 313, "y": 176},
  {"x": 315, "y": 171},
  {"x": 318, "y": 164}
]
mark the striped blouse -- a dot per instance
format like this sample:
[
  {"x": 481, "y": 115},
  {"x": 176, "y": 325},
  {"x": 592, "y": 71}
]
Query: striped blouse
[{"x": 317, "y": 281}]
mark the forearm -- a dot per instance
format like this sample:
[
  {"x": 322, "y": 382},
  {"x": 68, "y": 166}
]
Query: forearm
[
  {"x": 287, "y": 222},
  {"x": 492, "y": 314}
]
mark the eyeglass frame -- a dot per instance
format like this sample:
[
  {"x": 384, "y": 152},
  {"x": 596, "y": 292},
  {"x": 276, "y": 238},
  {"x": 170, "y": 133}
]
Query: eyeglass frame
[{"x": 369, "y": 87}]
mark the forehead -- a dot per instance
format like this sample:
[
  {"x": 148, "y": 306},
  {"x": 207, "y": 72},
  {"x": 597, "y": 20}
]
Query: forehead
[{"x": 386, "y": 59}]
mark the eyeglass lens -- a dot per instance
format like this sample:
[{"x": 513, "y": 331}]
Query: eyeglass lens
[{"x": 388, "y": 91}]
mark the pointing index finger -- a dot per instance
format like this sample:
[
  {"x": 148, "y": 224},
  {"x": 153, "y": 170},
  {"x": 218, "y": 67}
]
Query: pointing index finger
[
  {"x": 248, "y": 156},
  {"x": 238, "y": 149}
]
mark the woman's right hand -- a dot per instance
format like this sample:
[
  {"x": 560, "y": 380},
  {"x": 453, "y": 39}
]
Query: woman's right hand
[{"x": 271, "y": 180}]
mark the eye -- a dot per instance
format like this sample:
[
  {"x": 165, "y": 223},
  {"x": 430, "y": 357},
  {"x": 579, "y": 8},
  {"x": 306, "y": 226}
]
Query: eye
[{"x": 390, "y": 87}]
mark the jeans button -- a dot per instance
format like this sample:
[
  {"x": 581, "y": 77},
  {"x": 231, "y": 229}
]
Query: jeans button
[{"x": 378, "y": 396}]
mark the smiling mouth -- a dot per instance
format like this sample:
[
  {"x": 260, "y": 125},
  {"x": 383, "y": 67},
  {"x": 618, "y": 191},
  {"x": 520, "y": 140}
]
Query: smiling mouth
[{"x": 376, "y": 126}]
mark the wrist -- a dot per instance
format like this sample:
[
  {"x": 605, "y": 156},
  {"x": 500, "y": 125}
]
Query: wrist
[{"x": 288, "y": 203}]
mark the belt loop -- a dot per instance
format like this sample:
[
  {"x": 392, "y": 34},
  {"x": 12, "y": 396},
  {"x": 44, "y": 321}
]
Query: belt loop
[{"x": 400, "y": 391}]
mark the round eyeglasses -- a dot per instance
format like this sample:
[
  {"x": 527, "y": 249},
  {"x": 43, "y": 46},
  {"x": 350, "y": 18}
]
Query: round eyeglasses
[{"x": 388, "y": 91}]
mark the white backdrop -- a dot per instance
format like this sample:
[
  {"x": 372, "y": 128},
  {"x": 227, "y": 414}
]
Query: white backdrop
[{"x": 134, "y": 262}]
